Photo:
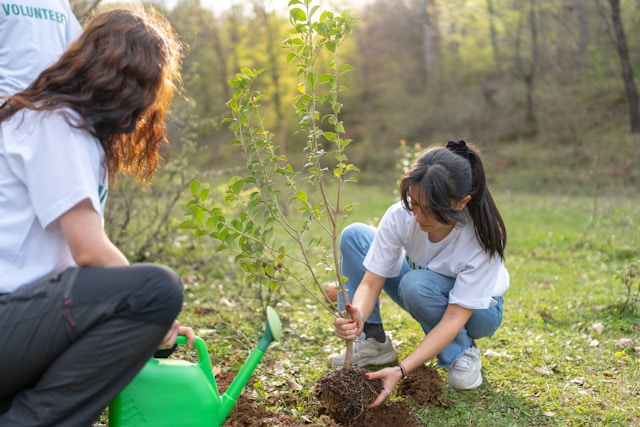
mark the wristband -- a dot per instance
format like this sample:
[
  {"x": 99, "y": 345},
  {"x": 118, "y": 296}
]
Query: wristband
[{"x": 402, "y": 370}]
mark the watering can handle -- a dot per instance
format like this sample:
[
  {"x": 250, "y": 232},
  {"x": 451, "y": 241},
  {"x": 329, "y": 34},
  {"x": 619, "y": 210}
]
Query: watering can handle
[
  {"x": 182, "y": 340},
  {"x": 203, "y": 355}
]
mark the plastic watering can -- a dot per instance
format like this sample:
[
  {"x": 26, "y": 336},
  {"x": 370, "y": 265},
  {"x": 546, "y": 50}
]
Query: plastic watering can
[{"x": 177, "y": 393}]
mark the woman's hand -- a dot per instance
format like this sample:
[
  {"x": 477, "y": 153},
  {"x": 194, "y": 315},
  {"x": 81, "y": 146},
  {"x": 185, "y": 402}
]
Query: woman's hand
[
  {"x": 390, "y": 377},
  {"x": 173, "y": 332},
  {"x": 347, "y": 328}
]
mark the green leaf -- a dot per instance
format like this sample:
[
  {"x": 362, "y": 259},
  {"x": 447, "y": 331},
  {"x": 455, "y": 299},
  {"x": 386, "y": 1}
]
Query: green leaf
[
  {"x": 195, "y": 188},
  {"x": 187, "y": 225},
  {"x": 297, "y": 15},
  {"x": 331, "y": 136},
  {"x": 346, "y": 68},
  {"x": 203, "y": 195},
  {"x": 311, "y": 80}
]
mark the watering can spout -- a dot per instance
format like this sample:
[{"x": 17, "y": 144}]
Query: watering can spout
[
  {"x": 273, "y": 331},
  {"x": 173, "y": 392}
]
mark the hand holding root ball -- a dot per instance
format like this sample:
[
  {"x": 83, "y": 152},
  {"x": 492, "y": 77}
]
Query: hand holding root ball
[{"x": 390, "y": 378}]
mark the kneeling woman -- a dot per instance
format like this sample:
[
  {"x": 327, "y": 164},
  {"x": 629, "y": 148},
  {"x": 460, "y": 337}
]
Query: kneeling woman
[
  {"x": 77, "y": 322},
  {"x": 438, "y": 254}
]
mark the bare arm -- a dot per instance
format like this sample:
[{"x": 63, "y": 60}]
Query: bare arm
[
  {"x": 89, "y": 244},
  {"x": 454, "y": 318},
  {"x": 90, "y": 247}
]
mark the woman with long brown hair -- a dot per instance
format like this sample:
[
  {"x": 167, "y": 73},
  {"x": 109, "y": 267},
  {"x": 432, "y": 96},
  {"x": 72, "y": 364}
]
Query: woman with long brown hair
[{"x": 77, "y": 322}]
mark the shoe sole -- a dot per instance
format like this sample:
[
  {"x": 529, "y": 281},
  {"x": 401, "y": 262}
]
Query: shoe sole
[{"x": 476, "y": 384}]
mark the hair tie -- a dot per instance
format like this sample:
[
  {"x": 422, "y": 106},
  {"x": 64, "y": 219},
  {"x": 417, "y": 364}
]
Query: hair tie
[{"x": 459, "y": 147}]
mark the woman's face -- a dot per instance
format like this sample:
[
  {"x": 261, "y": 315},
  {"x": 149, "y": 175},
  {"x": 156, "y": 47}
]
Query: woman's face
[{"x": 425, "y": 219}]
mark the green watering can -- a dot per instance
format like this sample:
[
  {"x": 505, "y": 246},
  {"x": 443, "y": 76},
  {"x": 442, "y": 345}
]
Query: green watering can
[{"x": 171, "y": 392}]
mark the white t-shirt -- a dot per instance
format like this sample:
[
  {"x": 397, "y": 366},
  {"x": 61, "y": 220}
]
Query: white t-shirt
[
  {"x": 46, "y": 168},
  {"x": 33, "y": 35},
  {"x": 479, "y": 276}
]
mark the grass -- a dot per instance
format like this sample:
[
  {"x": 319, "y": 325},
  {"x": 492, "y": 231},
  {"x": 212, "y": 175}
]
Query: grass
[
  {"x": 549, "y": 364},
  {"x": 555, "y": 360}
]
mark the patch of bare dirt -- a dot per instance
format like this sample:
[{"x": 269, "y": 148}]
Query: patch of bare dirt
[
  {"x": 343, "y": 397},
  {"x": 345, "y": 394}
]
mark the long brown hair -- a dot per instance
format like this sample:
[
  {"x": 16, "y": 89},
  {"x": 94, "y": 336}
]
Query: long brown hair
[{"x": 119, "y": 76}]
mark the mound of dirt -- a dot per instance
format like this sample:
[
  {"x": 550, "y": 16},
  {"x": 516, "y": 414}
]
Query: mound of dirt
[
  {"x": 423, "y": 388},
  {"x": 345, "y": 394}
]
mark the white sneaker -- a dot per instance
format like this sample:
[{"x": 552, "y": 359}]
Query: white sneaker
[
  {"x": 466, "y": 371},
  {"x": 367, "y": 351}
]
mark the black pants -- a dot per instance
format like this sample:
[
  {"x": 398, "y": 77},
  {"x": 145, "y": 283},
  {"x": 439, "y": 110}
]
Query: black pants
[{"x": 69, "y": 345}]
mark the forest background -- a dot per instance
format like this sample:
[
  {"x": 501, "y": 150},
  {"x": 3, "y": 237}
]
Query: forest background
[
  {"x": 537, "y": 83},
  {"x": 545, "y": 88}
]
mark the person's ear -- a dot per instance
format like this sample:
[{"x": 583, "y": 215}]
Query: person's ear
[{"x": 462, "y": 203}]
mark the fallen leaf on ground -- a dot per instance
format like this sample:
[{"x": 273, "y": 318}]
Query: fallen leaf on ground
[
  {"x": 543, "y": 371},
  {"x": 598, "y": 327},
  {"x": 491, "y": 353},
  {"x": 625, "y": 343}
]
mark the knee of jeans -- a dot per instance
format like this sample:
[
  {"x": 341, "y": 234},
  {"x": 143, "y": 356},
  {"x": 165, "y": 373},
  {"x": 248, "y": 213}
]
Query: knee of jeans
[
  {"x": 171, "y": 285},
  {"x": 414, "y": 289},
  {"x": 484, "y": 328},
  {"x": 349, "y": 233},
  {"x": 165, "y": 294}
]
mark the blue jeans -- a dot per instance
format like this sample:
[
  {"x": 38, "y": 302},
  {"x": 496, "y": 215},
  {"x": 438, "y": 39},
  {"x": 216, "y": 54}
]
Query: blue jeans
[{"x": 424, "y": 294}]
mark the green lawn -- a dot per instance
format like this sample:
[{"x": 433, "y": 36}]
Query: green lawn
[{"x": 556, "y": 360}]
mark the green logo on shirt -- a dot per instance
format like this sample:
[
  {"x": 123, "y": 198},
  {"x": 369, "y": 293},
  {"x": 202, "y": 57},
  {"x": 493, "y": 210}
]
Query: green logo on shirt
[
  {"x": 102, "y": 194},
  {"x": 33, "y": 12}
]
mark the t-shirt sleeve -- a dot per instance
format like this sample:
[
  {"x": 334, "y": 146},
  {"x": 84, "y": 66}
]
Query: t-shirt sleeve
[
  {"x": 57, "y": 164},
  {"x": 386, "y": 253}
]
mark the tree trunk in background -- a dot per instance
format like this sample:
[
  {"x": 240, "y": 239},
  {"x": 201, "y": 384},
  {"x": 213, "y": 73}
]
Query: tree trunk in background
[
  {"x": 273, "y": 67},
  {"x": 221, "y": 55},
  {"x": 625, "y": 65},
  {"x": 531, "y": 75},
  {"x": 235, "y": 39},
  {"x": 584, "y": 37},
  {"x": 494, "y": 36},
  {"x": 427, "y": 14},
  {"x": 528, "y": 72}
]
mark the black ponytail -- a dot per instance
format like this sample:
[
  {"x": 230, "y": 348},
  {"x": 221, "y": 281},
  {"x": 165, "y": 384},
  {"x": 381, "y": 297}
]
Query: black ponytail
[{"x": 447, "y": 175}]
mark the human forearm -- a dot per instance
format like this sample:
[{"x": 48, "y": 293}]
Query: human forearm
[
  {"x": 103, "y": 254},
  {"x": 454, "y": 319},
  {"x": 87, "y": 241}
]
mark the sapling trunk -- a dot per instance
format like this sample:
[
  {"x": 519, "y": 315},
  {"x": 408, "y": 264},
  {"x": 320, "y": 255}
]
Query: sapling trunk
[
  {"x": 349, "y": 353},
  {"x": 272, "y": 183}
]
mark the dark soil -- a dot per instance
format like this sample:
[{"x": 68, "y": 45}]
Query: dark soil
[
  {"x": 345, "y": 394},
  {"x": 342, "y": 399}
]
